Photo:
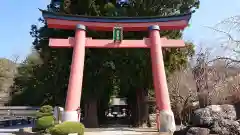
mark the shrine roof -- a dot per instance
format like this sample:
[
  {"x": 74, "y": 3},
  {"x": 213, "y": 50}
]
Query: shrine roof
[
  {"x": 67, "y": 21},
  {"x": 54, "y": 15}
]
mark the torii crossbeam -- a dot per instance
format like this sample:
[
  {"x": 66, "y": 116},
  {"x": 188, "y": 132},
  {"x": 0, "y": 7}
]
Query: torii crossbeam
[{"x": 101, "y": 43}]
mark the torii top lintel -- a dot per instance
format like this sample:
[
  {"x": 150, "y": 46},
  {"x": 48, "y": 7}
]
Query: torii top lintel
[{"x": 65, "y": 21}]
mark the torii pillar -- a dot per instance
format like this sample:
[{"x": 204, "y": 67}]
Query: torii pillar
[
  {"x": 166, "y": 117},
  {"x": 74, "y": 91}
]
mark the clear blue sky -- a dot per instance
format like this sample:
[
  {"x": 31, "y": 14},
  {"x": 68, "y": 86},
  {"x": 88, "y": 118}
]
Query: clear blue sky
[{"x": 210, "y": 13}]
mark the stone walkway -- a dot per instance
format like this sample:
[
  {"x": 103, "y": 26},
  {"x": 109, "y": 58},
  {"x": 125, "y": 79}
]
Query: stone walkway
[
  {"x": 120, "y": 131},
  {"x": 95, "y": 131}
]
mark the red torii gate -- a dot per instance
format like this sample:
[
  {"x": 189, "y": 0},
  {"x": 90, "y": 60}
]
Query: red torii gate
[{"x": 154, "y": 42}]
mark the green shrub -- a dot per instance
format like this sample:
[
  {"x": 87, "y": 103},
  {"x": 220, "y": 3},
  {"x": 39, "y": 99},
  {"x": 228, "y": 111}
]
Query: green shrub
[
  {"x": 40, "y": 114},
  {"x": 45, "y": 122},
  {"x": 67, "y": 127},
  {"x": 46, "y": 109}
]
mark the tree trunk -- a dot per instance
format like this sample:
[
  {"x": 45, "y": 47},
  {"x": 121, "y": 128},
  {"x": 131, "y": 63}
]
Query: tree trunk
[
  {"x": 91, "y": 114},
  {"x": 143, "y": 108},
  {"x": 200, "y": 73},
  {"x": 203, "y": 98},
  {"x": 132, "y": 103},
  {"x": 102, "y": 107}
]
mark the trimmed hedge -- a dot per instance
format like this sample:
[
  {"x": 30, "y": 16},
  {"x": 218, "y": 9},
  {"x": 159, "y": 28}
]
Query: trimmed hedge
[
  {"x": 40, "y": 114},
  {"x": 68, "y": 127},
  {"x": 45, "y": 122},
  {"x": 46, "y": 109}
]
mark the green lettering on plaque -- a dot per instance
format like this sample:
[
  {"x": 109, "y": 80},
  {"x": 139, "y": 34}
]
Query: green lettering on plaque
[{"x": 117, "y": 34}]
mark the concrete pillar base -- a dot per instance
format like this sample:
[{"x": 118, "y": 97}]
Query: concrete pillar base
[
  {"x": 167, "y": 122},
  {"x": 70, "y": 116}
]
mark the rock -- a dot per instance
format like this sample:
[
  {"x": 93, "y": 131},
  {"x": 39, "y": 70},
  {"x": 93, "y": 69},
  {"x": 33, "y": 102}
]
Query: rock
[
  {"x": 192, "y": 131},
  {"x": 226, "y": 127},
  {"x": 205, "y": 117},
  {"x": 203, "y": 121},
  {"x": 198, "y": 131},
  {"x": 181, "y": 130}
]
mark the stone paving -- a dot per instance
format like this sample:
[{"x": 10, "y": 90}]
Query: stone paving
[
  {"x": 121, "y": 131},
  {"x": 95, "y": 131}
]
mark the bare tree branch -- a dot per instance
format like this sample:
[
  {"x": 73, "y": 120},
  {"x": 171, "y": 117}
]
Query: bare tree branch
[{"x": 230, "y": 37}]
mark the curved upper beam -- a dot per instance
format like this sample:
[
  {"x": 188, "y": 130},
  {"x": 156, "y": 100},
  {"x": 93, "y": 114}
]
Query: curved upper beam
[{"x": 64, "y": 21}]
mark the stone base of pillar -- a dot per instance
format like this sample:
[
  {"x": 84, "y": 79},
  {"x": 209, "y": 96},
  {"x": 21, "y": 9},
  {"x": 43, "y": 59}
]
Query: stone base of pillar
[
  {"x": 70, "y": 116},
  {"x": 167, "y": 122}
]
